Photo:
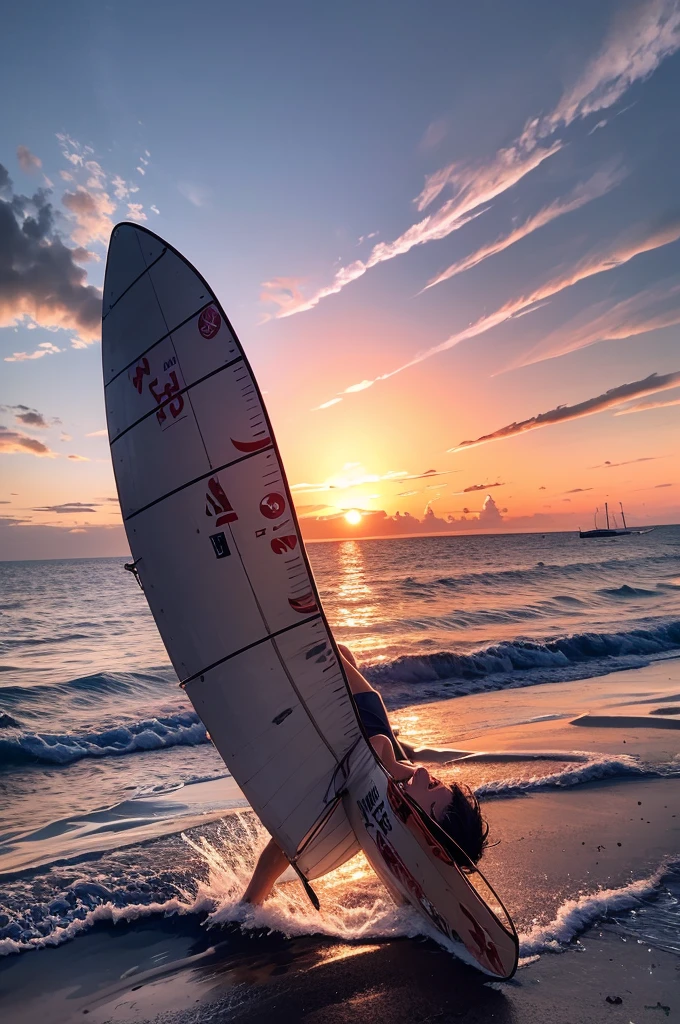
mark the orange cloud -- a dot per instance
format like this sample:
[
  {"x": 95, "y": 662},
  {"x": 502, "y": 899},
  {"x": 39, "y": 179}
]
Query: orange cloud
[
  {"x": 92, "y": 212},
  {"x": 12, "y": 442}
]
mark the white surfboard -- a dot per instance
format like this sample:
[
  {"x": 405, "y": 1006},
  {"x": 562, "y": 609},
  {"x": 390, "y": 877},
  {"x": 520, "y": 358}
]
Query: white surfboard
[{"x": 217, "y": 548}]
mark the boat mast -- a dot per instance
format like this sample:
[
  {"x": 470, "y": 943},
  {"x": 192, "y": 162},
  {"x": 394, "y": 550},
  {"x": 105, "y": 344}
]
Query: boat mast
[
  {"x": 623, "y": 516},
  {"x": 606, "y": 512}
]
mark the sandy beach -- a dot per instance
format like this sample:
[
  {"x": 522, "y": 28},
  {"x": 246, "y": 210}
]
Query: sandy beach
[{"x": 580, "y": 864}]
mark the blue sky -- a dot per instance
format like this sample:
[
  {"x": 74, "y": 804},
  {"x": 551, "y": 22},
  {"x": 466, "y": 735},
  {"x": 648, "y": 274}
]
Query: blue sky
[{"x": 322, "y": 166}]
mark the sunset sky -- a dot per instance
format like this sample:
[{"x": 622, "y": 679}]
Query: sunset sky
[{"x": 447, "y": 235}]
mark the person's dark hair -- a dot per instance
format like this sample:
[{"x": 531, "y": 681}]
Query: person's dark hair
[{"x": 462, "y": 821}]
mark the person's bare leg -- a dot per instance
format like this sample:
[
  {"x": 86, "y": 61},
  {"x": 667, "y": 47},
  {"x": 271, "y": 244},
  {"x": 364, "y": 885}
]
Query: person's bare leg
[{"x": 272, "y": 863}]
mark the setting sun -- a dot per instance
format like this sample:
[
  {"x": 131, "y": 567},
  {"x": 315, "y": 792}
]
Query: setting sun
[{"x": 353, "y": 517}]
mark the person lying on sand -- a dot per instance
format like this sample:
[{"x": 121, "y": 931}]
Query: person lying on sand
[{"x": 454, "y": 806}]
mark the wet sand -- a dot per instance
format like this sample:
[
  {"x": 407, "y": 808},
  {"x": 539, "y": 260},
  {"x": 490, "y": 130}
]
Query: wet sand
[{"x": 553, "y": 846}]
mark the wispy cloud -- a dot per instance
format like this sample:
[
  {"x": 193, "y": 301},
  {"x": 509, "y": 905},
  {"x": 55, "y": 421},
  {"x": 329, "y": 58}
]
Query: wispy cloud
[
  {"x": 13, "y": 442},
  {"x": 616, "y": 396},
  {"x": 645, "y": 406},
  {"x": 100, "y": 433},
  {"x": 618, "y": 320},
  {"x": 78, "y": 458},
  {"x": 477, "y": 185},
  {"x": 648, "y": 310},
  {"x": 353, "y": 474},
  {"x": 326, "y": 405},
  {"x": 45, "y": 348},
  {"x": 434, "y": 135},
  {"x": 68, "y": 508},
  {"x": 578, "y": 490},
  {"x": 596, "y": 186},
  {"x": 28, "y": 162},
  {"x": 195, "y": 194},
  {"x": 638, "y": 42}
]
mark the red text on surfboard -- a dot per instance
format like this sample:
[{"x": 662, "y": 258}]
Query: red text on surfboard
[
  {"x": 251, "y": 446},
  {"x": 175, "y": 406},
  {"x": 140, "y": 371},
  {"x": 273, "y": 505},
  {"x": 217, "y": 503},
  {"x": 282, "y": 544},
  {"x": 209, "y": 322}
]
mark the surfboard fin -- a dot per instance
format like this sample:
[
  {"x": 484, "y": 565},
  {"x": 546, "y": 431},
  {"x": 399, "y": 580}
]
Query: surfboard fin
[{"x": 311, "y": 895}]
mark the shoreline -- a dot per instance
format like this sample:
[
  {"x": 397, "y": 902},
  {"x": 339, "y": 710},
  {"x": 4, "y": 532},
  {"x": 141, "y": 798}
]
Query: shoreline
[{"x": 567, "y": 854}]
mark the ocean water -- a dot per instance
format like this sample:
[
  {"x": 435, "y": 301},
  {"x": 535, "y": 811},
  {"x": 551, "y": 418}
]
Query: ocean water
[{"x": 112, "y": 800}]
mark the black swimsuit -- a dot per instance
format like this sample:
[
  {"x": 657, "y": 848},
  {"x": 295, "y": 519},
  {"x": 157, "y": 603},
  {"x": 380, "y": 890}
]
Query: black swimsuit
[{"x": 373, "y": 715}]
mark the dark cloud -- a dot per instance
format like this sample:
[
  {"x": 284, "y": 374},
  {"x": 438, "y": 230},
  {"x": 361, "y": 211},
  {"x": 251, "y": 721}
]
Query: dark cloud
[
  {"x": 541, "y": 488},
  {"x": 13, "y": 442},
  {"x": 480, "y": 487},
  {"x": 577, "y": 490},
  {"x": 664, "y": 485},
  {"x": 39, "y": 275},
  {"x": 615, "y": 396},
  {"x": 68, "y": 507},
  {"x": 29, "y": 417}
]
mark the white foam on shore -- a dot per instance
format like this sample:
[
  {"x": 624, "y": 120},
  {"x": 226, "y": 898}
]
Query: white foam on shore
[
  {"x": 355, "y": 907},
  {"x": 574, "y": 916},
  {"x": 597, "y": 766}
]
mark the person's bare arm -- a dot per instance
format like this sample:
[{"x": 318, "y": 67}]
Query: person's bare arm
[
  {"x": 385, "y": 751},
  {"x": 432, "y": 755}
]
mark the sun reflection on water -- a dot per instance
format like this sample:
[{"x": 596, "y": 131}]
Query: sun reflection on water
[{"x": 357, "y": 608}]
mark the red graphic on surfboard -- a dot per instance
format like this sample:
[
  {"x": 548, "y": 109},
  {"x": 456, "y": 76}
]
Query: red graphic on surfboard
[
  {"x": 485, "y": 948},
  {"x": 398, "y": 869},
  {"x": 282, "y": 544},
  {"x": 273, "y": 505},
  {"x": 251, "y": 446},
  {"x": 171, "y": 388},
  {"x": 305, "y": 605},
  {"x": 218, "y": 504},
  {"x": 140, "y": 372},
  {"x": 209, "y": 322}
]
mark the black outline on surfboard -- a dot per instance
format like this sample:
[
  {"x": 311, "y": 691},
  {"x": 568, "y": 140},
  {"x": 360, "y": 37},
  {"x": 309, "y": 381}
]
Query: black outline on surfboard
[{"x": 432, "y": 825}]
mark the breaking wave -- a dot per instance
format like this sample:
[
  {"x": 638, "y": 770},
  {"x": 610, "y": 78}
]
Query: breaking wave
[
  {"x": 598, "y": 653},
  {"x": 184, "y": 729}
]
